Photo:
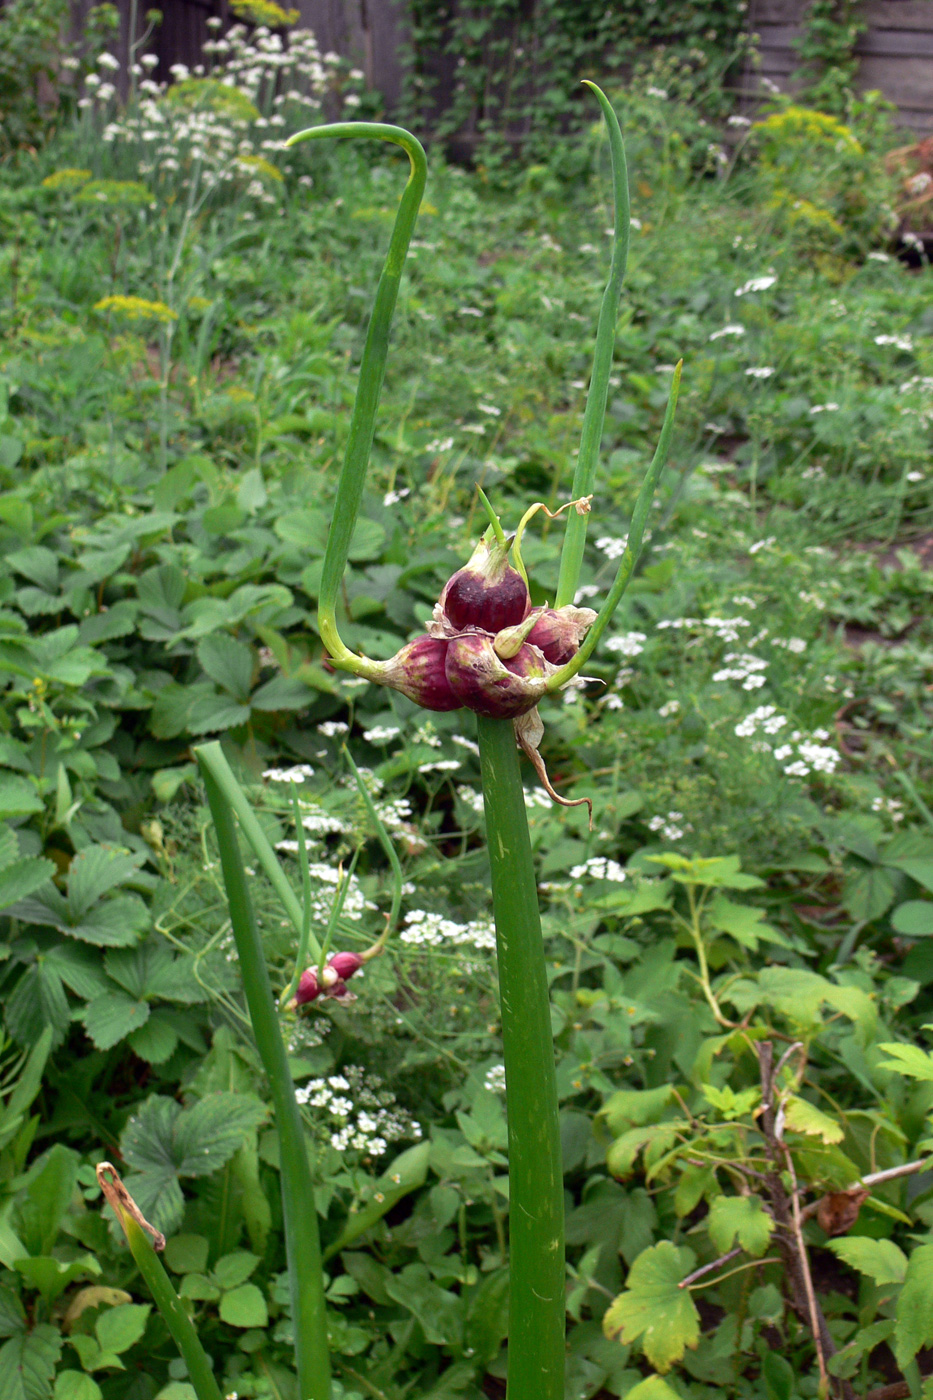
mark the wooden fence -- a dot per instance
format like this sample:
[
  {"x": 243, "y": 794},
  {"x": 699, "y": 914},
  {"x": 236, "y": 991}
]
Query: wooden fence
[{"x": 895, "y": 53}]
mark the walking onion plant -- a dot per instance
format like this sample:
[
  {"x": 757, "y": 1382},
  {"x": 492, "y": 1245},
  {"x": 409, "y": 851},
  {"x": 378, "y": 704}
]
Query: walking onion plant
[{"x": 487, "y": 650}]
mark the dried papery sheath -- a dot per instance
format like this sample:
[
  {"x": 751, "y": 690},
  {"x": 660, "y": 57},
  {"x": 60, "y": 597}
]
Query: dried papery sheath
[{"x": 558, "y": 632}]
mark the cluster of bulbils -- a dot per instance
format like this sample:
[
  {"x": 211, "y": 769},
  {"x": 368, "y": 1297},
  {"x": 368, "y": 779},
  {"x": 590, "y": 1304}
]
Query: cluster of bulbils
[{"x": 487, "y": 650}]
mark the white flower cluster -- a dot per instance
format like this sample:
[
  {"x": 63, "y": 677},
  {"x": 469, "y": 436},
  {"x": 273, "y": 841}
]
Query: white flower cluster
[
  {"x": 215, "y": 142},
  {"x": 470, "y": 798},
  {"x": 428, "y": 929},
  {"x": 670, "y": 826},
  {"x": 599, "y": 868},
  {"x": 629, "y": 644},
  {"x": 901, "y": 342},
  {"x": 890, "y": 806},
  {"x": 612, "y": 546},
  {"x": 381, "y": 733},
  {"x": 808, "y": 754},
  {"x": 495, "y": 1079},
  {"x": 755, "y": 284},
  {"x": 364, "y": 1116},
  {"x": 732, "y": 329},
  {"x": 792, "y": 644},
  {"x": 745, "y": 668},
  {"x": 332, "y": 728},
  {"x": 299, "y": 774},
  {"x": 725, "y": 628}
]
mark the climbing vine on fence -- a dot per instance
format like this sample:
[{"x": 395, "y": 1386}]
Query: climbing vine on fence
[{"x": 506, "y": 74}]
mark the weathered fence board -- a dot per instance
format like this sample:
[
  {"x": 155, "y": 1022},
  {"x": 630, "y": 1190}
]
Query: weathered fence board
[{"x": 895, "y": 53}]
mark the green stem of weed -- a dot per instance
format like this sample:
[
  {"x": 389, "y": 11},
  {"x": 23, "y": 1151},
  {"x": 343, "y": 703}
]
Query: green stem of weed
[
  {"x": 594, "y": 416},
  {"x": 633, "y": 544},
  {"x": 236, "y": 797},
  {"x": 536, "y": 1196},
  {"x": 372, "y": 373},
  {"x": 302, "y": 1238}
]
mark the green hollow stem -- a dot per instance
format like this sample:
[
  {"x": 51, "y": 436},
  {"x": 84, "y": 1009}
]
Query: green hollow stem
[
  {"x": 223, "y": 776},
  {"x": 536, "y": 1195},
  {"x": 571, "y": 559},
  {"x": 302, "y": 1238},
  {"x": 200, "y": 1374},
  {"x": 633, "y": 544},
  {"x": 372, "y": 373}
]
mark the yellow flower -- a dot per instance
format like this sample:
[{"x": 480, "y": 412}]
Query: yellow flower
[
  {"x": 127, "y": 192},
  {"x": 136, "y": 309},
  {"x": 67, "y": 179},
  {"x": 264, "y": 12}
]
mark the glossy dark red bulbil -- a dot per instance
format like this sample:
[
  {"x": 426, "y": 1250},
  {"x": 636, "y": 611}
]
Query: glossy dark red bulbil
[
  {"x": 333, "y": 981},
  {"x": 487, "y": 592}
]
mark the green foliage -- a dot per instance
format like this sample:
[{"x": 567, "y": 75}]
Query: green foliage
[{"x": 163, "y": 510}]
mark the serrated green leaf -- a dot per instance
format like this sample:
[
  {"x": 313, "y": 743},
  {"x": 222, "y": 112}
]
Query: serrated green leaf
[
  {"x": 37, "y": 1001},
  {"x": 93, "y": 872},
  {"x": 914, "y": 1311},
  {"x": 909, "y": 1060},
  {"x": 208, "y": 1134},
  {"x": 156, "y": 1041},
  {"x": 27, "y": 1364},
  {"x": 802, "y": 1116},
  {"x": 633, "y": 1107},
  {"x": 228, "y": 662},
  {"x": 866, "y": 894},
  {"x": 621, "y": 1156},
  {"x": 79, "y": 968},
  {"x": 151, "y": 969},
  {"x": 742, "y": 1218},
  {"x": 244, "y": 1307},
  {"x": 113, "y": 1016},
  {"x": 18, "y": 796},
  {"x": 742, "y": 922},
  {"x": 881, "y": 1260},
  {"x": 215, "y": 712},
  {"x": 22, "y": 878},
  {"x": 115, "y": 923},
  {"x": 654, "y": 1308}
]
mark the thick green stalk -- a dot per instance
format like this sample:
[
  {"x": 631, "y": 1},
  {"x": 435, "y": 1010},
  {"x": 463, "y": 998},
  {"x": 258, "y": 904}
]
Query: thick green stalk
[
  {"x": 159, "y": 1284},
  {"x": 594, "y": 416},
  {"x": 633, "y": 544},
  {"x": 302, "y": 1238},
  {"x": 536, "y": 1193},
  {"x": 372, "y": 373}
]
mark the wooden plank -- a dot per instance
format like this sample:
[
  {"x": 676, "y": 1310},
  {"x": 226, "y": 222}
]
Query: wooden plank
[
  {"x": 906, "y": 81},
  {"x": 777, "y": 36},
  {"x": 891, "y": 43},
  {"x": 899, "y": 14},
  {"x": 916, "y": 120},
  {"x": 888, "y": 14}
]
